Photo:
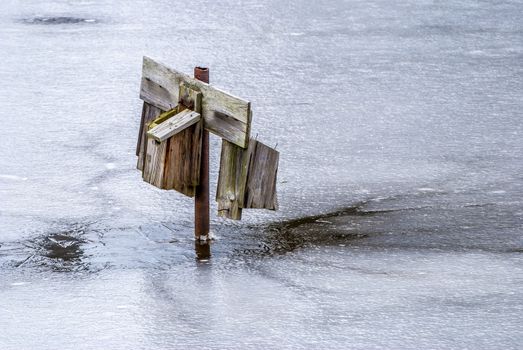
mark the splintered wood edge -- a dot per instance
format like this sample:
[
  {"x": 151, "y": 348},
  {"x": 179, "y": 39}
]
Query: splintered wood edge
[{"x": 174, "y": 125}]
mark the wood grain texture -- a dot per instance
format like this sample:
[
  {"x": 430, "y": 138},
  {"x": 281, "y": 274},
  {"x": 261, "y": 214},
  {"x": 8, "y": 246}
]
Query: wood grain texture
[
  {"x": 185, "y": 148},
  {"x": 190, "y": 97},
  {"x": 161, "y": 88},
  {"x": 261, "y": 180},
  {"x": 174, "y": 164},
  {"x": 140, "y": 131},
  {"x": 174, "y": 125},
  {"x": 247, "y": 179},
  {"x": 149, "y": 113},
  {"x": 173, "y": 160},
  {"x": 232, "y": 179},
  {"x": 154, "y": 165},
  {"x": 163, "y": 117},
  {"x": 157, "y": 95},
  {"x": 182, "y": 169}
]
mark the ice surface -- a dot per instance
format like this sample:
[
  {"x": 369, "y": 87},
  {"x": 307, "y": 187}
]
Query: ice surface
[{"x": 400, "y": 223}]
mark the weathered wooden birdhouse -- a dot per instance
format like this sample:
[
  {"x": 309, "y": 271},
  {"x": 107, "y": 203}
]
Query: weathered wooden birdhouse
[
  {"x": 177, "y": 113},
  {"x": 173, "y": 145}
]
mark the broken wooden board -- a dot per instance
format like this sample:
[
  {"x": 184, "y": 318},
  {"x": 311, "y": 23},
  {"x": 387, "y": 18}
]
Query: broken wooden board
[
  {"x": 149, "y": 113},
  {"x": 174, "y": 125},
  {"x": 223, "y": 114},
  {"x": 247, "y": 179}
]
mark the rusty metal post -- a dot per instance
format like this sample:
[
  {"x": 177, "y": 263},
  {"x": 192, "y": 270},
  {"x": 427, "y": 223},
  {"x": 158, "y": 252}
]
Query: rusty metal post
[{"x": 201, "y": 202}]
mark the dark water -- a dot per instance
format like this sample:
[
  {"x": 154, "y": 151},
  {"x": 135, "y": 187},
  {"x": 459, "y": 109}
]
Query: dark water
[{"x": 400, "y": 186}]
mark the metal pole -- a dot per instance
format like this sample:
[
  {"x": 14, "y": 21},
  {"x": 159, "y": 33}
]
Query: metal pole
[{"x": 201, "y": 199}]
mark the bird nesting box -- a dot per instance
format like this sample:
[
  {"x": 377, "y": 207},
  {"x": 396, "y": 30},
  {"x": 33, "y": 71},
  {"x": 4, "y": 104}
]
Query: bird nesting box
[
  {"x": 172, "y": 146},
  {"x": 178, "y": 112}
]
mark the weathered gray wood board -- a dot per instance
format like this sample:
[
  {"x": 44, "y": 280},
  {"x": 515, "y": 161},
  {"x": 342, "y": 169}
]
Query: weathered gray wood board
[
  {"x": 154, "y": 163},
  {"x": 232, "y": 180},
  {"x": 157, "y": 95},
  {"x": 261, "y": 179},
  {"x": 223, "y": 114},
  {"x": 174, "y": 125},
  {"x": 140, "y": 130},
  {"x": 149, "y": 113},
  {"x": 247, "y": 179}
]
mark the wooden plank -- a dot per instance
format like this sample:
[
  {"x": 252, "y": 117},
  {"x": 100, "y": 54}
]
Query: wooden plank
[
  {"x": 247, "y": 179},
  {"x": 183, "y": 167},
  {"x": 174, "y": 163},
  {"x": 140, "y": 132},
  {"x": 157, "y": 95},
  {"x": 149, "y": 113},
  {"x": 160, "y": 87},
  {"x": 182, "y": 170},
  {"x": 227, "y": 128},
  {"x": 261, "y": 179},
  {"x": 174, "y": 125},
  {"x": 232, "y": 179},
  {"x": 163, "y": 117},
  {"x": 189, "y": 97},
  {"x": 154, "y": 163}
]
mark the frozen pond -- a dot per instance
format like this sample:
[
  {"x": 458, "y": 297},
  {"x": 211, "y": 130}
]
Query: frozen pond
[{"x": 401, "y": 216}]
